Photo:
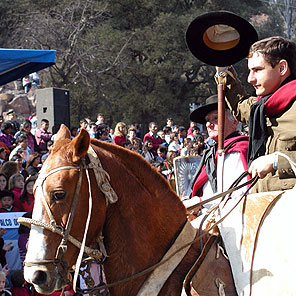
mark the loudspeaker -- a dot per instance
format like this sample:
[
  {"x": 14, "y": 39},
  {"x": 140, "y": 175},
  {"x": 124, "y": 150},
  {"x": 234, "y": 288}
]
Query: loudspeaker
[{"x": 53, "y": 104}]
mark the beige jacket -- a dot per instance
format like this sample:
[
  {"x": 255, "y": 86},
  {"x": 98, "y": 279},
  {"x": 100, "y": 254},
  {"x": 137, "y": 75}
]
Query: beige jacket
[{"x": 281, "y": 135}]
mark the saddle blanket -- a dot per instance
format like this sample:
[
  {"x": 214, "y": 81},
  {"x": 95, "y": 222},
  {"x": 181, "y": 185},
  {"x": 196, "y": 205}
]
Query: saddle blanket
[{"x": 258, "y": 236}]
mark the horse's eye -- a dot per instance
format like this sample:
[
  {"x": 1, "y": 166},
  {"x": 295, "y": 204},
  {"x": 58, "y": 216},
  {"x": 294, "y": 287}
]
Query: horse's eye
[{"x": 58, "y": 195}]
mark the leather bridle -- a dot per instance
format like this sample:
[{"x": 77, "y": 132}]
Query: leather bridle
[{"x": 103, "y": 179}]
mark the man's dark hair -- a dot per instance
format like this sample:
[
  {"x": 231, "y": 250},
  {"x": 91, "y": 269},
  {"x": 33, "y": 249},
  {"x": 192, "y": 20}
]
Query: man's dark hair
[
  {"x": 152, "y": 123},
  {"x": 44, "y": 120},
  {"x": 21, "y": 138},
  {"x": 275, "y": 49},
  {"x": 26, "y": 124},
  {"x": 5, "y": 193},
  {"x": 167, "y": 129},
  {"x": 6, "y": 125}
]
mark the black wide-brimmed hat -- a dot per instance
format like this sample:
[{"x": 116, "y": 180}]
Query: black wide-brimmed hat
[
  {"x": 199, "y": 114},
  {"x": 220, "y": 38}
]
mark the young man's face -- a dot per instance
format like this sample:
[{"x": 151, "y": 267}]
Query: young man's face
[
  {"x": 6, "y": 202},
  {"x": 262, "y": 76}
]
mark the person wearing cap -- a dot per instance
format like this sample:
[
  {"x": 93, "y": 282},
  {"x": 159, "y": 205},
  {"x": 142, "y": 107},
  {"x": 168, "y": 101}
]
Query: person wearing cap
[
  {"x": 10, "y": 117},
  {"x": 235, "y": 148},
  {"x": 270, "y": 115}
]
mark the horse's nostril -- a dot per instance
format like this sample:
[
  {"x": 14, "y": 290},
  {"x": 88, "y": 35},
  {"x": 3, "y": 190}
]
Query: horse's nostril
[{"x": 39, "y": 277}]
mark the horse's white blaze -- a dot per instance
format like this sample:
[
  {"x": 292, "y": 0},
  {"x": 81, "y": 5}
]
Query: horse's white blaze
[{"x": 36, "y": 249}]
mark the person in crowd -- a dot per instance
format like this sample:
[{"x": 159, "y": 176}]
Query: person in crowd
[
  {"x": 6, "y": 137},
  {"x": 147, "y": 151},
  {"x": 152, "y": 135},
  {"x": 92, "y": 130},
  {"x": 21, "y": 147},
  {"x": 3, "y": 249},
  {"x": 191, "y": 126},
  {"x": 7, "y": 202},
  {"x": 137, "y": 145},
  {"x": 270, "y": 115},
  {"x": 199, "y": 145},
  {"x": 33, "y": 164},
  {"x": 170, "y": 123},
  {"x": 168, "y": 168},
  {"x": 120, "y": 134},
  {"x": 82, "y": 124},
  {"x": 194, "y": 132},
  {"x": 16, "y": 186},
  {"x": 167, "y": 134},
  {"x": 100, "y": 119},
  {"x": 235, "y": 146},
  {"x": 73, "y": 132},
  {"x": 11, "y": 118},
  {"x": 19, "y": 286},
  {"x": 49, "y": 148},
  {"x": 26, "y": 83},
  {"x": 42, "y": 136},
  {"x": 132, "y": 135},
  {"x": 158, "y": 165},
  {"x": 3, "y": 182},
  {"x": 127, "y": 145},
  {"x": 23, "y": 232},
  {"x": 187, "y": 149},
  {"x": 181, "y": 135},
  {"x": 25, "y": 128},
  {"x": 174, "y": 144},
  {"x": 3, "y": 155},
  {"x": 27, "y": 197},
  {"x": 20, "y": 164},
  {"x": 3, "y": 291},
  {"x": 34, "y": 78},
  {"x": 102, "y": 135},
  {"x": 9, "y": 168},
  {"x": 161, "y": 154}
]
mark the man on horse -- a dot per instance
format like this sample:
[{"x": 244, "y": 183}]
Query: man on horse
[
  {"x": 236, "y": 147},
  {"x": 270, "y": 115}
]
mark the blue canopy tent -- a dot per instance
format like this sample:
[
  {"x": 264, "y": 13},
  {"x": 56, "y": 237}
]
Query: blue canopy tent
[{"x": 17, "y": 63}]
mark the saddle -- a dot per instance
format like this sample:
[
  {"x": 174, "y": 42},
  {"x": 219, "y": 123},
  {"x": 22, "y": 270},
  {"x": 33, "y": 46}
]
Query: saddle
[{"x": 211, "y": 274}]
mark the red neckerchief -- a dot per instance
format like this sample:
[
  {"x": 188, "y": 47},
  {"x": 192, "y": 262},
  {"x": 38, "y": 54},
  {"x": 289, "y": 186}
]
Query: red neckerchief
[
  {"x": 280, "y": 99},
  {"x": 240, "y": 146}
]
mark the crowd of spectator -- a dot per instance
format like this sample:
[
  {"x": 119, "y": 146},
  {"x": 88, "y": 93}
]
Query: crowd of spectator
[{"x": 24, "y": 147}]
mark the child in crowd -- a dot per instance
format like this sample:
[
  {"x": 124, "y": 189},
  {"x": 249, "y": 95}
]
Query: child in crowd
[
  {"x": 161, "y": 154},
  {"x": 147, "y": 151},
  {"x": 174, "y": 144},
  {"x": 27, "y": 198},
  {"x": 3, "y": 156},
  {"x": 187, "y": 147},
  {"x": 6, "y": 201},
  {"x": 168, "y": 168},
  {"x": 3, "y": 181},
  {"x": 16, "y": 185},
  {"x": 23, "y": 232},
  {"x": 3, "y": 291},
  {"x": 19, "y": 286}
]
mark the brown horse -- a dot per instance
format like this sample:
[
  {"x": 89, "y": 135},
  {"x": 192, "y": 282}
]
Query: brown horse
[{"x": 138, "y": 228}]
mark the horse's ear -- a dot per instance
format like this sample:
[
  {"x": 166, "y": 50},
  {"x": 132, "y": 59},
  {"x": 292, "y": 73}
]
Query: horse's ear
[
  {"x": 80, "y": 144},
  {"x": 63, "y": 133}
]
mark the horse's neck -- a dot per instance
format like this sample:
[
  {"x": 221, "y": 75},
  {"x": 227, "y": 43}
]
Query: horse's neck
[{"x": 138, "y": 234}]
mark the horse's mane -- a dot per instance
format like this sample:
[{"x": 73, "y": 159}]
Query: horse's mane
[{"x": 141, "y": 169}]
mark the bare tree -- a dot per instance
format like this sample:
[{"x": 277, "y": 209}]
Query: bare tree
[{"x": 287, "y": 10}]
